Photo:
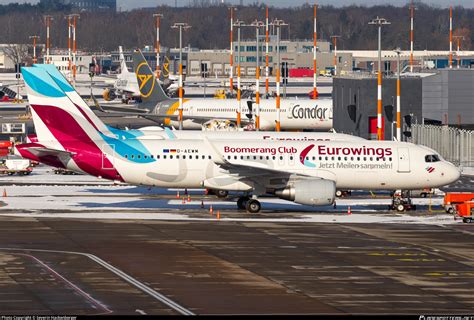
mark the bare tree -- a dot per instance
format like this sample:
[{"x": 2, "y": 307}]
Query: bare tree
[{"x": 17, "y": 53}]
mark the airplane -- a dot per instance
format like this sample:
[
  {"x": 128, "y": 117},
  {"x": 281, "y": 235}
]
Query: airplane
[
  {"x": 305, "y": 172},
  {"x": 127, "y": 84},
  {"x": 295, "y": 114}
]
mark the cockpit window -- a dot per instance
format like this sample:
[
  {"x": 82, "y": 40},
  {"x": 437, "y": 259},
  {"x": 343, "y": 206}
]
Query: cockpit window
[{"x": 432, "y": 158}]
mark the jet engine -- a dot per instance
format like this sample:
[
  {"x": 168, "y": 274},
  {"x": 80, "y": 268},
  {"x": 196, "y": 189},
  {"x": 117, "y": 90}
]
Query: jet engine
[{"x": 309, "y": 192}]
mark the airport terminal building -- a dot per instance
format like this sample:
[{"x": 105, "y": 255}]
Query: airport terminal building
[{"x": 442, "y": 96}]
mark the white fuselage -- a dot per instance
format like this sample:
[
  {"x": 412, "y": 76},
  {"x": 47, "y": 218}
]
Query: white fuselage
[
  {"x": 351, "y": 164},
  {"x": 294, "y": 114}
]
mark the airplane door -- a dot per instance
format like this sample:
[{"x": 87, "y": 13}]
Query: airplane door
[
  {"x": 108, "y": 162},
  {"x": 403, "y": 160}
]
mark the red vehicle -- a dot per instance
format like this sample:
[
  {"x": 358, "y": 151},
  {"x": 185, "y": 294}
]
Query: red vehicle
[
  {"x": 466, "y": 211},
  {"x": 451, "y": 199}
]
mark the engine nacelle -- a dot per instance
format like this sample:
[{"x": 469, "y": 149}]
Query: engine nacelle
[{"x": 309, "y": 192}]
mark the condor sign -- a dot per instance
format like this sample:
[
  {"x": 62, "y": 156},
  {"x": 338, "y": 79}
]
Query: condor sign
[{"x": 310, "y": 112}]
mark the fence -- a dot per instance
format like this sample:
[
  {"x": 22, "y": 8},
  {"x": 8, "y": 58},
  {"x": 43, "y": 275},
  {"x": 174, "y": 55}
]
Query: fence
[{"x": 455, "y": 145}]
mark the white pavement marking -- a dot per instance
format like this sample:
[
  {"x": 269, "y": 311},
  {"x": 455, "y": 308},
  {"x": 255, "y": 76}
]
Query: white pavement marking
[{"x": 158, "y": 296}]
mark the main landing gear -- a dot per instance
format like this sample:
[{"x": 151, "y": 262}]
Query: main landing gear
[
  {"x": 250, "y": 204},
  {"x": 401, "y": 201}
]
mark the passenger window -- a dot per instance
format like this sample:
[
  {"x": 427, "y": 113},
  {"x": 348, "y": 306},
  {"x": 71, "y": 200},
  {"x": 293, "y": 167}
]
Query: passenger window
[
  {"x": 235, "y": 157},
  {"x": 157, "y": 156},
  {"x": 327, "y": 158},
  {"x": 255, "y": 157},
  {"x": 281, "y": 157},
  {"x": 261, "y": 157},
  {"x": 358, "y": 158},
  {"x": 146, "y": 157},
  {"x": 171, "y": 157},
  {"x": 273, "y": 157},
  {"x": 133, "y": 156},
  {"x": 184, "y": 157},
  {"x": 320, "y": 158},
  {"x": 314, "y": 158},
  {"x": 370, "y": 158},
  {"x": 339, "y": 158},
  {"x": 268, "y": 157},
  {"x": 126, "y": 156},
  {"x": 291, "y": 157},
  {"x": 345, "y": 158},
  {"x": 209, "y": 157},
  {"x": 390, "y": 159},
  {"x": 177, "y": 157},
  {"x": 164, "y": 157}
]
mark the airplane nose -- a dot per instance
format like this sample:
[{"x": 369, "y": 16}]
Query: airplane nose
[{"x": 453, "y": 173}]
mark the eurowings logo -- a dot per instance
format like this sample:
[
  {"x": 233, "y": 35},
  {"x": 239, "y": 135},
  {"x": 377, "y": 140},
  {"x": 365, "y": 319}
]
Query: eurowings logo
[
  {"x": 145, "y": 85},
  {"x": 430, "y": 169},
  {"x": 303, "y": 155}
]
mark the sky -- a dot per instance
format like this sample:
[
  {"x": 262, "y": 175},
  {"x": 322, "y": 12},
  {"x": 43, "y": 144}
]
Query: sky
[{"x": 131, "y": 4}]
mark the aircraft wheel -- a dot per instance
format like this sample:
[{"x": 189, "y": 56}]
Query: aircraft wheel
[
  {"x": 400, "y": 207},
  {"x": 241, "y": 203},
  {"x": 253, "y": 206},
  {"x": 222, "y": 193}
]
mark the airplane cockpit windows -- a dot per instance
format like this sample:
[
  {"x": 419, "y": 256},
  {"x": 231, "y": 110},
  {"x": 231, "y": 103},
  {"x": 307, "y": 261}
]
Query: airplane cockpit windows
[{"x": 432, "y": 158}]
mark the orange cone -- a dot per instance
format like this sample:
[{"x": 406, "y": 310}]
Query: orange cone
[
  {"x": 218, "y": 215},
  {"x": 177, "y": 195},
  {"x": 349, "y": 210},
  {"x": 189, "y": 198},
  {"x": 211, "y": 210},
  {"x": 4, "y": 192},
  {"x": 184, "y": 200}
]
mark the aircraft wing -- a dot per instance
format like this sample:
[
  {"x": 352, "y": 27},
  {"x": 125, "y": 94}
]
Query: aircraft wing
[{"x": 42, "y": 152}]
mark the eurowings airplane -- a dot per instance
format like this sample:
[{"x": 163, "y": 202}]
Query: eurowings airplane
[
  {"x": 305, "y": 172},
  {"x": 294, "y": 114}
]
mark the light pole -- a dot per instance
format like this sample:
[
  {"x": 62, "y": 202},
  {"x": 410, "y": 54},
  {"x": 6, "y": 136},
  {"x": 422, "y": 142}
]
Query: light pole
[
  {"x": 458, "y": 52},
  {"x": 399, "y": 134},
  {"x": 158, "y": 17},
  {"x": 278, "y": 23},
  {"x": 266, "y": 53},
  {"x": 48, "y": 20},
  {"x": 72, "y": 29},
  {"x": 257, "y": 24},
  {"x": 181, "y": 26},
  {"x": 231, "y": 73},
  {"x": 34, "y": 47},
  {"x": 334, "y": 39},
  {"x": 315, "y": 39},
  {"x": 379, "y": 22},
  {"x": 238, "y": 24},
  {"x": 450, "y": 37}
]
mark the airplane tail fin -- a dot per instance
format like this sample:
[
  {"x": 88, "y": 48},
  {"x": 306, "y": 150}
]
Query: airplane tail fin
[
  {"x": 150, "y": 88},
  {"x": 57, "y": 118},
  {"x": 74, "y": 96},
  {"x": 123, "y": 64}
]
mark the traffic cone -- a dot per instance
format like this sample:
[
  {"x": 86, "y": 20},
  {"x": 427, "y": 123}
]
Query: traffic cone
[
  {"x": 177, "y": 195},
  {"x": 349, "y": 210},
  {"x": 4, "y": 192},
  {"x": 211, "y": 211},
  {"x": 218, "y": 215},
  {"x": 189, "y": 198},
  {"x": 202, "y": 204},
  {"x": 184, "y": 200}
]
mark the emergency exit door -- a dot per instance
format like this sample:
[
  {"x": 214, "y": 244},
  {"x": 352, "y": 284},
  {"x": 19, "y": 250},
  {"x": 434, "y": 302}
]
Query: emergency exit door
[{"x": 403, "y": 160}]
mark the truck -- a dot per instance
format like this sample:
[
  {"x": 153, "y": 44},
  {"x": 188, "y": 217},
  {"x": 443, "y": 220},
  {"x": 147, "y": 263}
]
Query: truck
[
  {"x": 16, "y": 165},
  {"x": 466, "y": 211},
  {"x": 451, "y": 199}
]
